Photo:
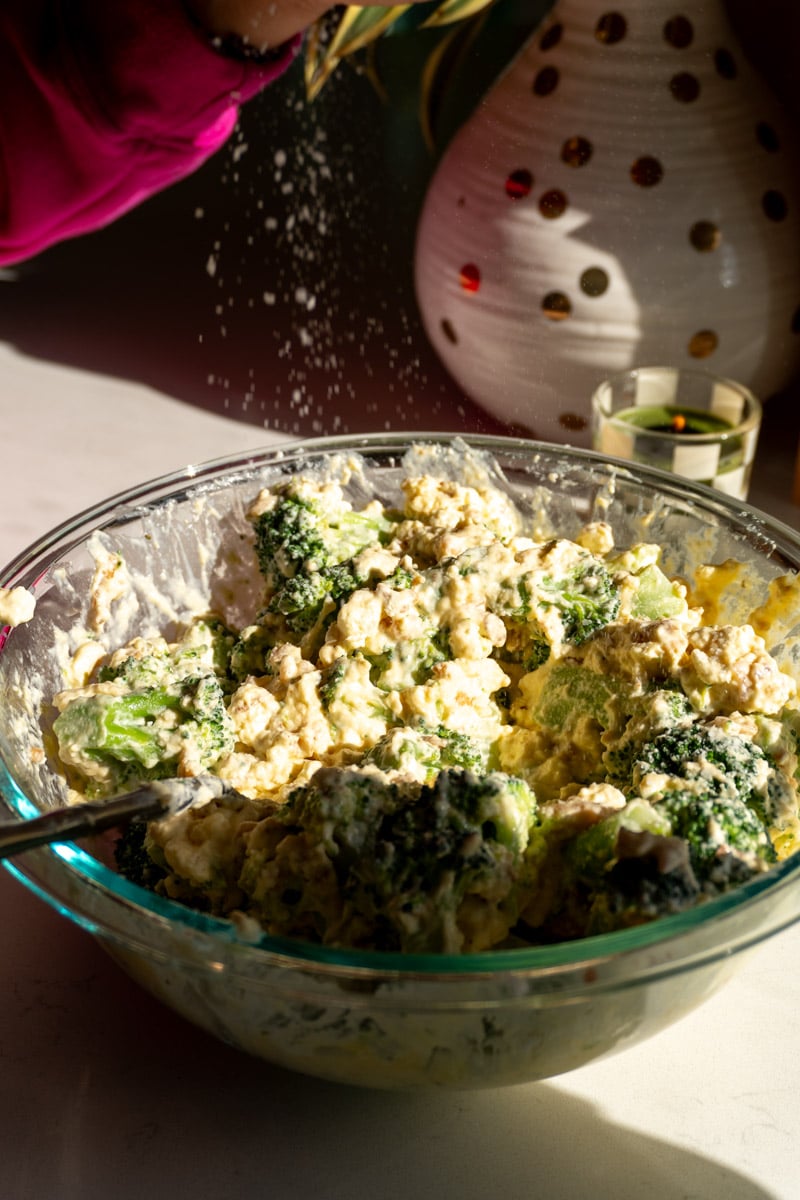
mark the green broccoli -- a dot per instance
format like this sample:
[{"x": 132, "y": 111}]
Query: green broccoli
[
  {"x": 331, "y": 682},
  {"x": 133, "y": 858},
  {"x": 651, "y": 876},
  {"x": 139, "y": 670},
  {"x": 408, "y": 662},
  {"x": 644, "y": 718},
  {"x": 401, "y": 578},
  {"x": 586, "y": 597},
  {"x": 310, "y": 597},
  {"x": 406, "y": 859},
  {"x": 592, "y": 852},
  {"x": 212, "y": 637},
  {"x": 250, "y": 652},
  {"x": 716, "y": 796},
  {"x": 407, "y": 748},
  {"x": 525, "y": 644},
  {"x": 727, "y": 842},
  {"x": 656, "y": 595},
  {"x": 711, "y": 760},
  {"x": 299, "y": 530},
  {"x": 626, "y": 869},
  {"x": 205, "y": 645},
  {"x": 145, "y": 734},
  {"x": 561, "y": 692}
]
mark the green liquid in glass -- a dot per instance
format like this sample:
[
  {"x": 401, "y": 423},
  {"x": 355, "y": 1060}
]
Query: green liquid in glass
[{"x": 673, "y": 419}]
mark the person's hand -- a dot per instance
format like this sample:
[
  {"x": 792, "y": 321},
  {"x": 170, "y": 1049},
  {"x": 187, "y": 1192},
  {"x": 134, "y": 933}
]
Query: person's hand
[{"x": 263, "y": 23}]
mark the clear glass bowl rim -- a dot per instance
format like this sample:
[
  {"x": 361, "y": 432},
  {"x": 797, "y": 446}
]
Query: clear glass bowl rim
[{"x": 37, "y": 868}]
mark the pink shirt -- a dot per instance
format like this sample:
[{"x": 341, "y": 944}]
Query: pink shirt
[{"x": 103, "y": 103}]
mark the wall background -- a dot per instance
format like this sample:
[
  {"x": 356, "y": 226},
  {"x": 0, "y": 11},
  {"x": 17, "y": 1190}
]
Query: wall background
[{"x": 274, "y": 286}]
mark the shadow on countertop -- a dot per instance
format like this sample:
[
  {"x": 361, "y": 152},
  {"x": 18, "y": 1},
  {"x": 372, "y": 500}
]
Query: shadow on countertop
[{"x": 105, "y": 1092}]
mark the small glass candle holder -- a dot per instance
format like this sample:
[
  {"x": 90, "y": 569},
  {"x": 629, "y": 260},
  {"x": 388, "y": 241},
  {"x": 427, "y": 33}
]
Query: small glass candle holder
[{"x": 691, "y": 423}]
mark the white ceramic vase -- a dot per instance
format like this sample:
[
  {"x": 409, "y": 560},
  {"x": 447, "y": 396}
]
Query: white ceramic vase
[{"x": 624, "y": 195}]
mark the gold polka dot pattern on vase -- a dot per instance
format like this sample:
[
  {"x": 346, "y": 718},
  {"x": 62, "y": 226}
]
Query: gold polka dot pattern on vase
[
  {"x": 519, "y": 183},
  {"x": 703, "y": 343},
  {"x": 685, "y": 87},
  {"x": 556, "y": 306},
  {"x": 576, "y": 151},
  {"x": 679, "y": 32},
  {"x": 553, "y": 204},
  {"x": 611, "y": 28},
  {"x": 647, "y": 171},
  {"x": 546, "y": 81},
  {"x": 705, "y": 236},
  {"x": 725, "y": 63},
  {"x": 594, "y": 281},
  {"x": 551, "y": 36},
  {"x": 606, "y": 175},
  {"x": 774, "y": 204}
]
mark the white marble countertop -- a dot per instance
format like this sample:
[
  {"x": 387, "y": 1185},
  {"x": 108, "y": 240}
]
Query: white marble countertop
[{"x": 105, "y": 1093}]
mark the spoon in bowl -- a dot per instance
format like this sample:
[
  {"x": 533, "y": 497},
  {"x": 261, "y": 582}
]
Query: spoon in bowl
[{"x": 159, "y": 798}]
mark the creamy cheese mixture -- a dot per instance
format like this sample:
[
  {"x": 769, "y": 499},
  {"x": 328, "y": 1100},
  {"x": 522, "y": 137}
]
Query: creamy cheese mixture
[
  {"x": 17, "y": 606},
  {"x": 450, "y": 734}
]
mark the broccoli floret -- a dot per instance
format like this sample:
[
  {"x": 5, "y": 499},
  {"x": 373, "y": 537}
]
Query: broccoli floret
[
  {"x": 205, "y": 645},
  {"x": 714, "y": 761},
  {"x": 726, "y": 839},
  {"x": 408, "y": 751},
  {"x": 587, "y": 598},
  {"x": 116, "y": 741},
  {"x": 403, "y": 861},
  {"x": 298, "y": 530},
  {"x": 408, "y": 662},
  {"x": 715, "y": 794},
  {"x": 212, "y": 637},
  {"x": 332, "y": 679},
  {"x": 287, "y": 535},
  {"x": 132, "y": 856},
  {"x": 651, "y": 876},
  {"x": 312, "y": 596},
  {"x": 424, "y": 750},
  {"x": 525, "y": 644},
  {"x": 560, "y": 693},
  {"x": 138, "y": 670},
  {"x": 656, "y": 595},
  {"x": 251, "y": 651},
  {"x": 592, "y": 853},
  {"x": 400, "y": 579},
  {"x": 645, "y": 718},
  {"x": 461, "y": 751}
]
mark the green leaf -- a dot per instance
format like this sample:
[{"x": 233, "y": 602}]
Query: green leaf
[
  {"x": 454, "y": 10},
  {"x": 357, "y": 28},
  {"x": 360, "y": 26}
]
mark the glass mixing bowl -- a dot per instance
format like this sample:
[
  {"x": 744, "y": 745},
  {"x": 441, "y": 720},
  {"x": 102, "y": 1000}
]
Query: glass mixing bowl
[{"x": 369, "y": 1018}]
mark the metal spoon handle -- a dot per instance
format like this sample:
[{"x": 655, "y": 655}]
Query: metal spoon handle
[{"x": 79, "y": 820}]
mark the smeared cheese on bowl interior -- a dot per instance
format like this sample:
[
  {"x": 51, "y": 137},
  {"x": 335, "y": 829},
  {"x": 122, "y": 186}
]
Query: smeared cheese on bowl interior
[
  {"x": 17, "y": 605},
  {"x": 452, "y": 733}
]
